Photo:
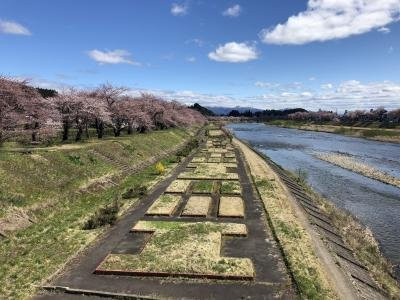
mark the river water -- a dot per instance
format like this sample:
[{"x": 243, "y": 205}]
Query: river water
[{"x": 375, "y": 204}]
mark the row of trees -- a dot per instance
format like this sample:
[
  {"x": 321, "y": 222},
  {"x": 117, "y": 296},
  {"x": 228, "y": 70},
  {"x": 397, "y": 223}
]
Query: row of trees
[
  {"x": 349, "y": 117},
  {"x": 26, "y": 111}
]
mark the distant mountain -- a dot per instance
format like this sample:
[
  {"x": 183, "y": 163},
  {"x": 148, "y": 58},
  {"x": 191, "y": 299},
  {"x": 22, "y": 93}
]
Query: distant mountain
[
  {"x": 221, "y": 110},
  {"x": 203, "y": 110}
]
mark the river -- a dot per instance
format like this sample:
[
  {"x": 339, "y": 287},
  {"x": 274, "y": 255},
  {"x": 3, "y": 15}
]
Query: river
[{"x": 375, "y": 204}]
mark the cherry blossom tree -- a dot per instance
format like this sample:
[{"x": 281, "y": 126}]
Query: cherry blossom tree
[{"x": 23, "y": 110}]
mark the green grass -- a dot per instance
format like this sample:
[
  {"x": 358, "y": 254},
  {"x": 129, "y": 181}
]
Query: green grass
[
  {"x": 204, "y": 186},
  {"x": 32, "y": 254},
  {"x": 231, "y": 187},
  {"x": 28, "y": 179}
]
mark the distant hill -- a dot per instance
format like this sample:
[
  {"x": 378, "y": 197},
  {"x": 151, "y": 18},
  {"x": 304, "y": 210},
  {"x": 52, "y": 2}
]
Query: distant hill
[
  {"x": 221, "y": 110},
  {"x": 203, "y": 110}
]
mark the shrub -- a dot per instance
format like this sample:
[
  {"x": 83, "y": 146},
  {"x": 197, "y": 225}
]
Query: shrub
[
  {"x": 104, "y": 216},
  {"x": 136, "y": 191},
  {"x": 75, "y": 159},
  {"x": 160, "y": 168},
  {"x": 185, "y": 151}
]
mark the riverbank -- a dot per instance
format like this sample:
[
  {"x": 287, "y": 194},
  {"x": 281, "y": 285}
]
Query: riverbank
[
  {"x": 295, "y": 234},
  {"x": 49, "y": 197},
  {"x": 376, "y": 134}
]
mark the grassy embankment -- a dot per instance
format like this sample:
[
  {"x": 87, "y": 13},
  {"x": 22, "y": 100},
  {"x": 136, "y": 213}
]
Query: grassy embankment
[
  {"x": 373, "y": 133},
  {"x": 307, "y": 271},
  {"x": 360, "y": 239},
  {"x": 44, "y": 187}
]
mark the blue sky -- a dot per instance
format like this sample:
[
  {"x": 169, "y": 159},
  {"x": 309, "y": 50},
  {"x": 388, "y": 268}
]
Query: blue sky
[{"x": 341, "y": 54}]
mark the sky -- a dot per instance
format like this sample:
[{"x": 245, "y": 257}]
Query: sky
[{"x": 275, "y": 54}]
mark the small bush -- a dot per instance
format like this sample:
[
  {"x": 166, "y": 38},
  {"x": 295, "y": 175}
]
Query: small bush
[
  {"x": 75, "y": 159},
  {"x": 301, "y": 176},
  {"x": 160, "y": 168},
  {"x": 136, "y": 191},
  {"x": 104, "y": 216},
  {"x": 172, "y": 159},
  {"x": 185, "y": 151}
]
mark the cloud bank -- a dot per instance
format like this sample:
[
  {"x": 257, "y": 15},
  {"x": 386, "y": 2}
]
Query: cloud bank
[{"x": 326, "y": 20}]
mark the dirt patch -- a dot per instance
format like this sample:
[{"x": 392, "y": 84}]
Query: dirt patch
[
  {"x": 231, "y": 207},
  {"x": 15, "y": 220},
  {"x": 197, "y": 206}
]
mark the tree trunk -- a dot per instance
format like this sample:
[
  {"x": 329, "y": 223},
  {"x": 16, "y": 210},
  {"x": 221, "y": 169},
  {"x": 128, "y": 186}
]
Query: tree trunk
[
  {"x": 87, "y": 131},
  {"x": 66, "y": 127},
  {"x": 99, "y": 128},
  {"x": 130, "y": 129},
  {"x": 117, "y": 131},
  {"x": 79, "y": 134},
  {"x": 34, "y": 131}
]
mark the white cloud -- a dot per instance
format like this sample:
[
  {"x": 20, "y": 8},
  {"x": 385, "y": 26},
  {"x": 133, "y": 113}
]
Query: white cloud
[
  {"x": 312, "y": 78},
  {"x": 191, "y": 59},
  {"x": 179, "y": 10},
  {"x": 117, "y": 56},
  {"x": 234, "y": 53},
  {"x": 233, "y": 11},
  {"x": 333, "y": 19},
  {"x": 327, "y": 86},
  {"x": 384, "y": 30},
  {"x": 11, "y": 27}
]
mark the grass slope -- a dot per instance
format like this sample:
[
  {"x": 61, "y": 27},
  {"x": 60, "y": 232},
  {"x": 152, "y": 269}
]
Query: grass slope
[{"x": 46, "y": 187}]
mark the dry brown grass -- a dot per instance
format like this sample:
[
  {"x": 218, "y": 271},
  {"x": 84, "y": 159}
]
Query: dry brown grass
[
  {"x": 183, "y": 248},
  {"x": 178, "y": 186},
  {"x": 165, "y": 205},
  {"x": 197, "y": 206},
  {"x": 352, "y": 164},
  {"x": 209, "y": 171},
  {"x": 215, "y": 133},
  {"x": 231, "y": 207},
  {"x": 198, "y": 159},
  {"x": 297, "y": 245}
]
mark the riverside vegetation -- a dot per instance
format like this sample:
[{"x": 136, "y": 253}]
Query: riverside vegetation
[{"x": 60, "y": 187}]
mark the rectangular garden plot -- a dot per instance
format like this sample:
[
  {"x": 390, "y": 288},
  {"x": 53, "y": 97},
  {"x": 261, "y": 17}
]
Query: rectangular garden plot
[
  {"x": 230, "y": 188},
  {"x": 197, "y": 206},
  {"x": 165, "y": 205},
  {"x": 199, "y": 159},
  {"x": 202, "y": 187},
  {"x": 214, "y": 133},
  {"x": 184, "y": 249},
  {"x": 231, "y": 207},
  {"x": 178, "y": 186},
  {"x": 214, "y": 160},
  {"x": 209, "y": 171}
]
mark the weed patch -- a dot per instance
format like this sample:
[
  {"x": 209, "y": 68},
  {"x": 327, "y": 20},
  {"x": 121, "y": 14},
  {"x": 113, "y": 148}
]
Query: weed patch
[{"x": 104, "y": 216}]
